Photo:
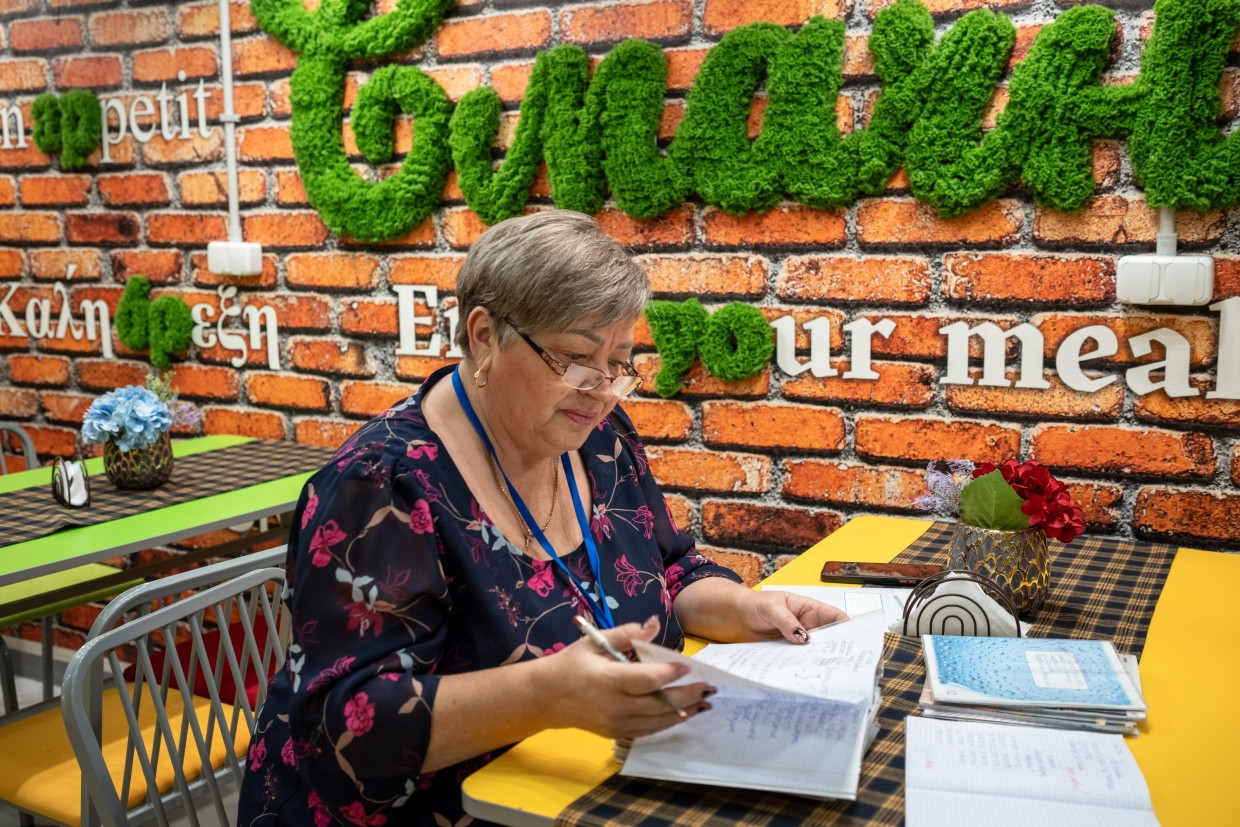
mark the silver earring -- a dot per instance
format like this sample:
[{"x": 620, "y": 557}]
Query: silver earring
[{"x": 476, "y": 382}]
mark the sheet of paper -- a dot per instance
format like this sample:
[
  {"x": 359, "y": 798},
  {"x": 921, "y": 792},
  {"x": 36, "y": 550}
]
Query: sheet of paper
[
  {"x": 959, "y": 774},
  {"x": 890, "y": 601}
]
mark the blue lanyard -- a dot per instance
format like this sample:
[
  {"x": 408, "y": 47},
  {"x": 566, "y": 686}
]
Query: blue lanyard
[{"x": 602, "y": 613}]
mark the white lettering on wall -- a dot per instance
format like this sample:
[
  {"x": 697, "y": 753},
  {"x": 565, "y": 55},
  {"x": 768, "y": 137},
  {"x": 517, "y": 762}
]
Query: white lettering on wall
[
  {"x": 11, "y": 119},
  {"x": 819, "y": 362},
  {"x": 406, "y": 311},
  {"x": 143, "y": 107},
  {"x": 860, "y": 335},
  {"x": 230, "y": 311},
  {"x": 994, "y": 355},
  {"x": 1069, "y": 357},
  {"x": 1174, "y": 366},
  {"x": 1227, "y": 377}
]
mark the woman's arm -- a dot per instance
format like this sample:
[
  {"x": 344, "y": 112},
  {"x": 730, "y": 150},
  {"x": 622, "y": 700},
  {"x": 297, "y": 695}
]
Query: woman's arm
[{"x": 719, "y": 609}]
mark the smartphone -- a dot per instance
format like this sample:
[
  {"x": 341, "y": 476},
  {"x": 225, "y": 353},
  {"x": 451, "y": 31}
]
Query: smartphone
[{"x": 877, "y": 574}]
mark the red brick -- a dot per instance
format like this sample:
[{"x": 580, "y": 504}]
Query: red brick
[
  {"x": 686, "y": 468},
  {"x": 51, "y": 371},
  {"x": 156, "y": 65},
  {"x": 423, "y": 235},
  {"x": 179, "y": 151},
  {"x": 1207, "y": 515},
  {"x": 194, "y": 229},
  {"x": 902, "y": 222},
  {"x": 109, "y": 374},
  {"x": 682, "y": 510},
  {"x": 786, "y": 225},
  {"x": 46, "y": 34},
  {"x": 1107, "y": 163},
  {"x": 869, "y": 279},
  {"x": 420, "y": 367},
  {"x": 1120, "y": 450},
  {"x": 286, "y": 230},
  {"x": 462, "y": 227},
  {"x": 289, "y": 190},
  {"x": 456, "y": 81},
  {"x": 374, "y": 317},
  {"x": 262, "y": 55},
  {"x": 123, "y": 154},
  {"x": 1100, "y": 504},
  {"x": 950, "y": 7},
  {"x": 18, "y": 403},
  {"x": 1235, "y": 465},
  {"x": 129, "y": 28},
  {"x": 754, "y": 523},
  {"x": 899, "y": 384},
  {"x": 1038, "y": 279},
  {"x": 698, "y": 383},
  {"x": 134, "y": 189},
  {"x": 52, "y": 441},
  {"x": 13, "y": 8},
  {"x": 1117, "y": 219},
  {"x": 1226, "y": 276},
  {"x": 203, "y": 277},
  {"x": 331, "y": 356},
  {"x": 243, "y": 422},
  {"x": 675, "y": 229},
  {"x": 282, "y": 391},
  {"x": 156, "y": 265},
  {"x": 25, "y": 160},
  {"x": 368, "y": 399},
  {"x": 1200, "y": 333},
  {"x": 12, "y": 263},
  {"x": 494, "y": 34},
  {"x": 330, "y": 433},
  {"x": 206, "y": 382},
  {"x": 436, "y": 270},
  {"x": 510, "y": 79},
  {"x": 29, "y": 227},
  {"x": 332, "y": 271},
  {"x": 923, "y": 439},
  {"x": 258, "y": 144},
  {"x": 92, "y": 72},
  {"x": 8, "y": 191},
  {"x": 1188, "y": 410},
  {"x": 249, "y": 101},
  {"x": 296, "y": 312},
  {"x": 203, "y": 19},
  {"x": 102, "y": 228},
  {"x": 29, "y": 75},
  {"x": 1056, "y": 402},
  {"x": 682, "y": 66},
  {"x": 721, "y": 16},
  {"x": 658, "y": 20},
  {"x": 65, "y": 408},
  {"x": 662, "y": 419},
  {"x": 768, "y": 425},
  {"x": 53, "y": 265},
  {"x": 852, "y": 484},
  {"x": 719, "y": 276},
  {"x": 750, "y": 565}
]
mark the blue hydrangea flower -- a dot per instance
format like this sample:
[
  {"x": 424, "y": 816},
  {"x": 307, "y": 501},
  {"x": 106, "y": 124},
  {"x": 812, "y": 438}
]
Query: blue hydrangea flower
[{"x": 132, "y": 416}]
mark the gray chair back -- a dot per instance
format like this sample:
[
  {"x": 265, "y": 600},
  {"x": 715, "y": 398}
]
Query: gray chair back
[
  {"x": 32, "y": 459},
  {"x": 167, "y": 728}
]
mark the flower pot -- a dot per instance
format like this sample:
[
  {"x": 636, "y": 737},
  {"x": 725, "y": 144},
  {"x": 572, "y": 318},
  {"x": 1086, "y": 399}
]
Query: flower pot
[
  {"x": 1017, "y": 561},
  {"x": 142, "y": 468}
]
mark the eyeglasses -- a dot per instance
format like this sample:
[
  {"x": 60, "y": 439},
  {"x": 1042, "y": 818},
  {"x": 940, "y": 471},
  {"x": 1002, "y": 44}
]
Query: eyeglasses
[{"x": 583, "y": 377}]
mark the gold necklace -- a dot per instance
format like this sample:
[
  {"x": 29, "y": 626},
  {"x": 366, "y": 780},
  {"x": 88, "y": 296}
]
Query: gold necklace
[{"x": 555, "y": 490}]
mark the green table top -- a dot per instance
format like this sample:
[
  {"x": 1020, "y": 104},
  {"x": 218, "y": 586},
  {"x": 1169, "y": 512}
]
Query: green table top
[{"x": 85, "y": 544}]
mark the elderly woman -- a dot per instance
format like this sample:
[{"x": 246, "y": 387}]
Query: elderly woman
[{"x": 439, "y": 563}]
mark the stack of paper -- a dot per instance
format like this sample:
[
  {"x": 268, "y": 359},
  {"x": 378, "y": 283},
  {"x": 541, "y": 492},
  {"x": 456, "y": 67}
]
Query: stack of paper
[
  {"x": 794, "y": 719},
  {"x": 1069, "y": 684}
]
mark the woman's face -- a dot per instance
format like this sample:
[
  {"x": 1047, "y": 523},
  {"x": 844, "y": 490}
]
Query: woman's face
[{"x": 538, "y": 412}]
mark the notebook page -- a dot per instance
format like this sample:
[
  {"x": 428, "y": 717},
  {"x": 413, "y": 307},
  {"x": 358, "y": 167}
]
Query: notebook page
[
  {"x": 962, "y": 773},
  {"x": 855, "y": 601}
]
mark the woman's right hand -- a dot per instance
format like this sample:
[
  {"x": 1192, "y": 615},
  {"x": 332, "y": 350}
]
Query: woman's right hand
[{"x": 593, "y": 691}]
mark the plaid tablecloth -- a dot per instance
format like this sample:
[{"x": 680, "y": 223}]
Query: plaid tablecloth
[
  {"x": 33, "y": 512},
  {"x": 1101, "y": 587}
]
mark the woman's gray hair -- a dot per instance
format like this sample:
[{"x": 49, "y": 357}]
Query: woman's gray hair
[{"x": 545, "y": 271}]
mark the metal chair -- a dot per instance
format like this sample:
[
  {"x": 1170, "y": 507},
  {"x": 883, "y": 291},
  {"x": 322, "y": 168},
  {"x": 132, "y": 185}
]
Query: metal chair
[
  {"x": 136, "y": 749},
  {"x": 43, "y": 597}
]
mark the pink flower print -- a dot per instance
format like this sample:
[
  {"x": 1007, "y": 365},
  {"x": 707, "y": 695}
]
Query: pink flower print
[
  {"x": 359, "y": 714},
  {"x": 674, "y": 575},
  {"x": 363, "y": 616},
  {"x": 429, "y": 491},
  {"x": 287, "y": 754},
  {"x": 601, "y": 525},
  {"x": 543, "y": 578},
  {"x": 258, "y": 753},
  {"x": 420, "y": 518},
  {"x": 322, "y": 818},
  {"x": 639, "y": 453},
  {"x": 311, "y": 505},
  {"x": 325, "y": 536},
  {"x": 419, "y": 448},
  {"x": 628, "y": 576},
  {"x": 356, "y": 813},
  {"x": 553, "y": 648},
  {"x": 645, "y": 518}
]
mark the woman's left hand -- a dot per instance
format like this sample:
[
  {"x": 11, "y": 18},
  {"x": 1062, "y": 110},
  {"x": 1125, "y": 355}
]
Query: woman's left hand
[{"x": 768, "y": 615}]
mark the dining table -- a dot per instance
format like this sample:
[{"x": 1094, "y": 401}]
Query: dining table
[
  {"x": 217, "y": 481},
  {"x": 1173, "y": 607}
]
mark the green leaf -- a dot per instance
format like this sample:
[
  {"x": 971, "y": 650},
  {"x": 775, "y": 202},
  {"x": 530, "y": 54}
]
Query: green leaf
[{"x": 989, "y": 502}]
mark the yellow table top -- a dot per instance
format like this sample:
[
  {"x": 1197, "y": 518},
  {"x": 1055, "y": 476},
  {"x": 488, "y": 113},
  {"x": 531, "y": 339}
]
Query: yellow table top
[{"x": 1192, "y": 686}]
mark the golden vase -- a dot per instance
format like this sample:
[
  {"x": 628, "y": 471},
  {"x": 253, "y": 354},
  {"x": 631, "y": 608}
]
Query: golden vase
[
  {"x": 141, "y": 468},
  {"x": 1018, "y": 561}
]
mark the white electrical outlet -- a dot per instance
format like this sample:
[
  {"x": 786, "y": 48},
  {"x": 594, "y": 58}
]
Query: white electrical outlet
[
  {"x": 1155, "y": 279},
  {"x": 235, "y": 258}
]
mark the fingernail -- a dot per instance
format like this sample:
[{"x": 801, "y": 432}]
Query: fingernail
[
  {"x": 706, "y": 693},
  {"x": 652, "y": 619},
  {"x": 703, "y": 707},
  {"x": 801, "y": 635}
]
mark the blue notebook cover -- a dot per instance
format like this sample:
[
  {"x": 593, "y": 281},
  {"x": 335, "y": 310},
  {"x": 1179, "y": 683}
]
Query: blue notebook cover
[{"x": 1010, "y": 671}]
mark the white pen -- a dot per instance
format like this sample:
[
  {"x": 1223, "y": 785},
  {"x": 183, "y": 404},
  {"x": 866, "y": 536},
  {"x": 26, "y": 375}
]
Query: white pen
[{"x": 587, "y": 629}]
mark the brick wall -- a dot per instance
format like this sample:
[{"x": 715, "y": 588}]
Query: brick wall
[{"x": 760, "y": 468}]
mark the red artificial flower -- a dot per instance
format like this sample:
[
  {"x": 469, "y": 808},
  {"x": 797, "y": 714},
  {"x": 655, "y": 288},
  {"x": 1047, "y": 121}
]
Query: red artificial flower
[{"x": 1046, "y": 500}]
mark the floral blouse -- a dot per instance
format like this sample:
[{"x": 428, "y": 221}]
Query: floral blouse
[{"x": 396, "y": 577}]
